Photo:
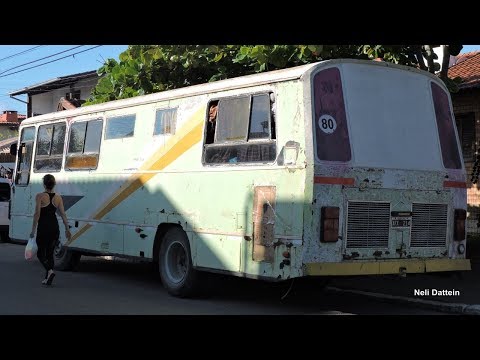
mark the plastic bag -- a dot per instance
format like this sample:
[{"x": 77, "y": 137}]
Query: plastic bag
[{"x": 31, "y": 249}]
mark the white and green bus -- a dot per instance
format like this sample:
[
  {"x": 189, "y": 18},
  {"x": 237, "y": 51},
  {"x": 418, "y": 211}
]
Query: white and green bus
[{"x": 341, "y": 167}]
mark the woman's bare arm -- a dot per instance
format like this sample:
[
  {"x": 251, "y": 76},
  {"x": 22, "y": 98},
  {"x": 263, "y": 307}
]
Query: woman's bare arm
[{"x": 64, "y": 216}]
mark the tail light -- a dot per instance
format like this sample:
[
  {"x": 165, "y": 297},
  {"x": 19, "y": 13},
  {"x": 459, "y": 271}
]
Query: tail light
[
  {"x": 459, "y": 226},
  {"x": 329, "y": 224}
]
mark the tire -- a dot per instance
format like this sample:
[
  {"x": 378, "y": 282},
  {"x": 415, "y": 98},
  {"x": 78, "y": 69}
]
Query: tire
[
  {"x": 175, "y": 264},
  {"x": 65, "y": 259}
]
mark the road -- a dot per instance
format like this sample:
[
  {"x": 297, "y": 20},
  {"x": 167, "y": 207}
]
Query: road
[{"x": 118, "y": 287}]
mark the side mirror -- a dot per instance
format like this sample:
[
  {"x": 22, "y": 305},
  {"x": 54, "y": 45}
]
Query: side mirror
[{"x": 13, "y": 149}]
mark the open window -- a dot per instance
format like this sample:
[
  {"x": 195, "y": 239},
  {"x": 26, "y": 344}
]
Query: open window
[
  {"x": 50, "y": 142},
  {"x": 240, "y": 130},
  {"x": 84, "y": 145}
]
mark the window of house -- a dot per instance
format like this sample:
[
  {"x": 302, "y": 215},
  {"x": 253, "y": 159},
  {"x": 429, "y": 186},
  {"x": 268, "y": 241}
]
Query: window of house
[
  {"x": 240, "y": 130},
  {"x": 119, "y": 127},
  {"x": 73, "y": 95},
  {"x": 84, "y": 145},
  {"x": 50, "y": 141},
  {"x": 25, "y": 153},
  {"x": 466, "y": 133},
  {"x": 165, "y": 121}
]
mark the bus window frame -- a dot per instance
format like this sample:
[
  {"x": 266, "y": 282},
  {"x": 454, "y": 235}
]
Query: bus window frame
[
  {"x": 20, "y": 157},
  {"x": 34, "y": 169},
  {"x": 102, "y": 118},
  {"x": 112, "y": 116},
  {"x": 452, "y": 118},
  {"x": 272, "y": 112},
  {"x": 313, "y": 120},
  {"x": 176, "y": 108}
]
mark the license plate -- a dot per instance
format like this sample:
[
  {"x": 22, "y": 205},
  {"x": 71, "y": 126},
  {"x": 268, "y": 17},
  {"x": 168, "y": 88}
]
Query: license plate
[{"x": 399, "y": 222}]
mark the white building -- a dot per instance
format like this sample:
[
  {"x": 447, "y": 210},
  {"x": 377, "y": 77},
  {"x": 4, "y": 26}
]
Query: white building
[{"x": 57, "y": 94}]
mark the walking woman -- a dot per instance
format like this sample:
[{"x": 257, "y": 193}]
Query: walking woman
[{"x": 46, "y": 205}]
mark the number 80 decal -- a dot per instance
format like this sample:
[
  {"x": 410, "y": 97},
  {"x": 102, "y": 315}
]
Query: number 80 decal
[{"x": 327, "y": 124}]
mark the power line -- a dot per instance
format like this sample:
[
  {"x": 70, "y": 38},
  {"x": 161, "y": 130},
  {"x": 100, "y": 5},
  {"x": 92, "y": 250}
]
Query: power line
[
  {"x": 48, "y": 62},
  {"x": 46, "y": 57},
  {"x": 21, "y": 52}
]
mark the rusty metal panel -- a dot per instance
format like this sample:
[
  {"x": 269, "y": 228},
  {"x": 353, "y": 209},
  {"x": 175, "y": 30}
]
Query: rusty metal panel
[{"x": 263, "y": 223}]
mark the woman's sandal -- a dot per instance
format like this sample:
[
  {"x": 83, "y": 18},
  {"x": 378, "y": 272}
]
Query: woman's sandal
[{"x": 49, "y": 280}]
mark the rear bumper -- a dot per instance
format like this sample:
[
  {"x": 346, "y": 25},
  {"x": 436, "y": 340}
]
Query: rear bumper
[{"x": 386, "y": 267}]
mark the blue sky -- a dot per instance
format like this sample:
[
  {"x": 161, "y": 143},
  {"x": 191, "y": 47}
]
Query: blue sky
[
  {"x": 75, "y": 63},
  {"x": 468, "y": 48}
]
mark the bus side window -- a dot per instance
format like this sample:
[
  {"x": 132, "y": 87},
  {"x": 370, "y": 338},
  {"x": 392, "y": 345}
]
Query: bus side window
[
  {"x": 273, "y": 115},
  {"x": 84, "y": 145},
  {"x": 24, "y": 155},
  {"x": 241, "y": 129},
  {"x": 165, "y": 121},
  {"x": 49, "y": 152}
]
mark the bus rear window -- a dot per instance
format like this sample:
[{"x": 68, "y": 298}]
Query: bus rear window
[
  {"x": 330, "y": 123},
  {"x": 446, "y": 132}
]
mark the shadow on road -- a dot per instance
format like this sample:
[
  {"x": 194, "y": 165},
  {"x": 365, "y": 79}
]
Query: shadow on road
[{"x": 216, "y": 286}]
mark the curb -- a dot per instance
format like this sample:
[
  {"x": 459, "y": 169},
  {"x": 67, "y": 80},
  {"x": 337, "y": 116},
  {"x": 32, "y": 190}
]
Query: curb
[{"x": 455, "y": 308}]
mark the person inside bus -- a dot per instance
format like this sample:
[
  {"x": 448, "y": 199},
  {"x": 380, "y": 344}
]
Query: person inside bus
[
  {"x": 212, "y": 122},
  {"x": 46, "y": 205}
]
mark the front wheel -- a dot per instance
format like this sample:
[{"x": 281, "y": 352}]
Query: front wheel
[
  {"x": 175, "y": 264},
  {"x": 65, "y": 259}
]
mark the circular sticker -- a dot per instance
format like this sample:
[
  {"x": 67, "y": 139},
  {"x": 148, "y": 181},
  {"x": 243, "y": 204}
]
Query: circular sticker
[{"x": 327, "y": 124}]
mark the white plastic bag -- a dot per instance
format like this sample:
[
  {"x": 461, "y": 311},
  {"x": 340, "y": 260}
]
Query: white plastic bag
[{"x": 31, "y": 249}]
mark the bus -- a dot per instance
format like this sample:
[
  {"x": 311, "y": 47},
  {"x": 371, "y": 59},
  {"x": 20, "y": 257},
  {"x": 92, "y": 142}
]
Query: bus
[{"x": 340, "y": 167}]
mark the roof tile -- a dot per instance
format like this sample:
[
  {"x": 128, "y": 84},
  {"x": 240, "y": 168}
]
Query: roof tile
[{"x": 468, "y": 69}]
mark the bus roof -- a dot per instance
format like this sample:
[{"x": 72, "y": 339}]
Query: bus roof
[{"x": 269, "y": 77}]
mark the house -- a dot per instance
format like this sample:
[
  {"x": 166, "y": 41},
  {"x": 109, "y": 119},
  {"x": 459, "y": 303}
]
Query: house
[
  {"x": 9, "y": 122},
  {"x": 466, "y": 107},
  {"x": 56, "y": 94}
]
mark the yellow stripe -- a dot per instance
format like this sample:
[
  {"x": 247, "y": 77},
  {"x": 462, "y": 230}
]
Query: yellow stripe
[
  {"x": 137, "y": 181},
  {"x": 177, "y": 146},
  {"x": 386, "y": 267}
]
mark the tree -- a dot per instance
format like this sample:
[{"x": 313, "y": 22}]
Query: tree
[{"x": 145, "y": 69}]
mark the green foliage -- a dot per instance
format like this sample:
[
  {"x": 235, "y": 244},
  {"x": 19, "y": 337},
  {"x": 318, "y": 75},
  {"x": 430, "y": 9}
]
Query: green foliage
[
  {"x": 453, "y": 84},
  {"x": 146, "y": 69}
]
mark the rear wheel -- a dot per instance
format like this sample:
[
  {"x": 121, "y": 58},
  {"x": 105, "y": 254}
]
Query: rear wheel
[
  {"x": 65, "y": 259},
  {"x": 175, "y": 264}
]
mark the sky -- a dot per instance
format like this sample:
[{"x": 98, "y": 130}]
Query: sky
[
  {"x": 76, "y": 59},
  {"x": 14, "y": 56},
  {"x": 468, "y": 48}
]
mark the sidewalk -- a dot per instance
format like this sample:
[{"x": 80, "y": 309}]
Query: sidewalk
[{"x": 397, "y": 289}]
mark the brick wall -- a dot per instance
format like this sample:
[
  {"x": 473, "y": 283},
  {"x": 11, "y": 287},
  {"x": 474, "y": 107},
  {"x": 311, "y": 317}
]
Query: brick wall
[
  {"x": 11, "y": 117},
  {"x": 467, "y": 101}
]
